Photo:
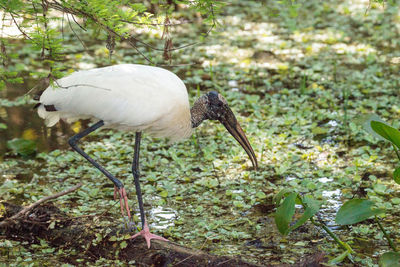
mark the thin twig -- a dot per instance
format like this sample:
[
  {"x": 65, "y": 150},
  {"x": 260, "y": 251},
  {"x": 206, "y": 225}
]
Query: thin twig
[
  {"x": 368, "y": 8},
  {"x": 130, "y": 39},
  {"x": 80, "y": 26},
  {"x": 16, "y": 24},
  {"x": 37, "y": 203},
  {"x": 157, "y": 24},
  {"x": 77, "y": 36}
]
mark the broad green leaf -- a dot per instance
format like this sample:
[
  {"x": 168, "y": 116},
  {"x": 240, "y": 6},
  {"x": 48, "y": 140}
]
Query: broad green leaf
[
  {"x": 390, "y": 259},
  {"x": 278, "y": 197},
  {"x": 22, "y": 147},
  {"x": 396, "y": 175},
  {"x": 284, "y": 213},
  {"x": 313, "y": 207},
  {"x": 387, "y": 132},
  {"x": 356, "y": 210}
]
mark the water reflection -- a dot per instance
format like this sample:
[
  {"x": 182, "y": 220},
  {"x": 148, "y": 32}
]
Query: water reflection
[
  {"x": 328, "y": 211},
  {"x": 325, "y": 180},
  {"x": 23, "y": 122},
  {"x": 164, "y": 217}
]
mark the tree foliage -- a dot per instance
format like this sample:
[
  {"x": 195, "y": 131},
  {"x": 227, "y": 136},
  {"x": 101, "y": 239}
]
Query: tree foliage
[{"x": 42, "y": 24}]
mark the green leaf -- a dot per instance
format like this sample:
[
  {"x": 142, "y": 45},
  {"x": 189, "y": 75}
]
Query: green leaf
[
  {"x": 396, "y": 175},
  {"x": 22, "y": 147},
  {"x": 261, "y": 195},
  {"x": 52, "y": 224},
  {"x": 163, "y": 193},
  {"x": 238, "y": 204},
  {"x": 313, "y": 207},
  {"x": 390, "y": 259},
  {"x": 387, "y": 132},
  {"x": 380, "y": 189},
  {"x": 3, "y": 126},
  {"x": 277, "y": 198},
  {"x": 284, "y": 213},
  {"x": 356, "y": 210},
  {"x": 394, "y": 200},
  {"x": 339, "y": 258},
  {"x": 123, "y": 244},
  {"x": 319, "y": 130}
]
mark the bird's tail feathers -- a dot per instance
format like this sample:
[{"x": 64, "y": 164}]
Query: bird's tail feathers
[{"x": 50, "y": 118}]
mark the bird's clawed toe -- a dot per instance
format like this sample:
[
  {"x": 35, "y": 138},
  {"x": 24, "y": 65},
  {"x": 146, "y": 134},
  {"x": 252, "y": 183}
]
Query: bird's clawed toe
[
  {"x": 123, "y": 200},
  {"x": 148, "y": 236}
]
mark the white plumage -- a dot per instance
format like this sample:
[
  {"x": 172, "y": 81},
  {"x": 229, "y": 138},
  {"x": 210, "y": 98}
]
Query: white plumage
[
  {"x": 137, "y": 98},
  {"x": 126, "y": 97}
]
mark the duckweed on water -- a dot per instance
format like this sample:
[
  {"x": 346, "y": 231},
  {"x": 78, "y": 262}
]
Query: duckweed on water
[{"x": 297, "y": 92}]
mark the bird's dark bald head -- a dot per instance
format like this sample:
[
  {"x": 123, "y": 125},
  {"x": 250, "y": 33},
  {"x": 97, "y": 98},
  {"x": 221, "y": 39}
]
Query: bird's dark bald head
[
  {"x": 216, "y": 106},
  {"x": 213, "y": 106}
]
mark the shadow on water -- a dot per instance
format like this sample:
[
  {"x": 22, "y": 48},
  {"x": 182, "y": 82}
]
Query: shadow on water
[{"x": 22, "y": 121}]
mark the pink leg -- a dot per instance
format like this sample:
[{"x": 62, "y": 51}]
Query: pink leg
[
  {"x": 123, "y": 200},
  {"x": 147, "y": 235}
]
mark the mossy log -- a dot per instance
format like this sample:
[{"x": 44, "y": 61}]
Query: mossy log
[{"x": 72, "y": 233}]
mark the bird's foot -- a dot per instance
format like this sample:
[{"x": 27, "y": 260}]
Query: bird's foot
[
  {"x": 123, "y": 200},
  {"x": 147, "y": 235}
]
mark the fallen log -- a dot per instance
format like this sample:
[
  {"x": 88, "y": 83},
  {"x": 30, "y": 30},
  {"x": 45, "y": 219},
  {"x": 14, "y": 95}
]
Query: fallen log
[{"x": 72, "y": 233}]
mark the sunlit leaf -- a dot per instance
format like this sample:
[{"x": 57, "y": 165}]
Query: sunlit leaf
[
  {"x": 123, "y": 244},
  {"x": 387, "y": 132},
  {"x": 356, "y": 210},
  {"x": 164, "y": 193},
  {"x": 29, "y": 134},
  {"x": 319, "y": 130}
]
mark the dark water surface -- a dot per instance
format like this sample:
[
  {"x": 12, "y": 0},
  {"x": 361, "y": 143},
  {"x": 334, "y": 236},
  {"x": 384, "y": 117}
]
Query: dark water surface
[{"x": 22, "y": 121}]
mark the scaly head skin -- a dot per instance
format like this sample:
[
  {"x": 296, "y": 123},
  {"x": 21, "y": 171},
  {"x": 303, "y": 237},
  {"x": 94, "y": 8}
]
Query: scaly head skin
[{"x": 213, "y": 106}]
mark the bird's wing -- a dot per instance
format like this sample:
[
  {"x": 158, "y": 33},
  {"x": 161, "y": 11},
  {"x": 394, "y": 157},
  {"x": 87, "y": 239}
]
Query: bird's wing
[{"x": 131, "y": 95}]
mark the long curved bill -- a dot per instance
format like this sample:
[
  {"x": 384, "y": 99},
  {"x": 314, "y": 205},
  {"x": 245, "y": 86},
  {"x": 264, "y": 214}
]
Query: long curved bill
[{"x": 233, "y": 127}]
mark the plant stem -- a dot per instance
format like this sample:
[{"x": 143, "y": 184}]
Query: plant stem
[
  {"x": 345, "y": 117},
  {"x": 391, "y": 244},
  {"x": 330, "y": 233},
  {"x": 396, "y": 150}
]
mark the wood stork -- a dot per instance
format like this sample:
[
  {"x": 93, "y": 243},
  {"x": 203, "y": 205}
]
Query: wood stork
[{"x": 137, "y": 98}]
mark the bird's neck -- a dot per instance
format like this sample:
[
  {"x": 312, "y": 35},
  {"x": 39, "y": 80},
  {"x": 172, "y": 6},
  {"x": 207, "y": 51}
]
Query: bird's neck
[{"x": 198, "y": 112}]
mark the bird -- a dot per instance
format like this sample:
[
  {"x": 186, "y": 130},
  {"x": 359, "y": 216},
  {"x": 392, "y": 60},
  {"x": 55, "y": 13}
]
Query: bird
[{"x": 137, "y": 98}]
